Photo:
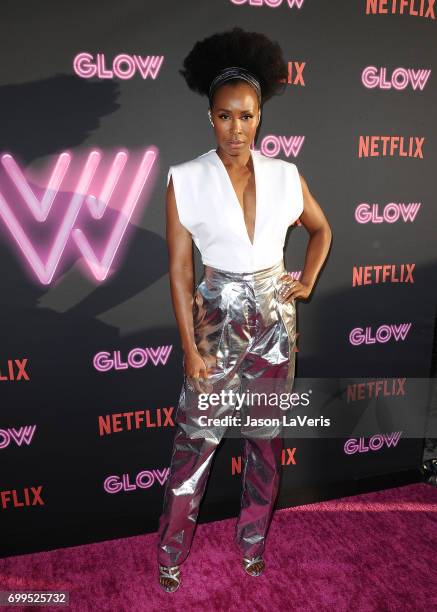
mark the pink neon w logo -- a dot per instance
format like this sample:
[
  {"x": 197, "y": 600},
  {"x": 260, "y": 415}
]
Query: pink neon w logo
[{"x": 80, "y": 193}]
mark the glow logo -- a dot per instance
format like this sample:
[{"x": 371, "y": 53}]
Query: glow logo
[
  {"x": 273, "y": 145},
  {"x": 77, "y": 187},
  {"x": 270, "y": 3},
  {"x": 143, "y": 480},
  {"x": 19, "y": 436},
  {"x": 375, "y": 443},
  {"x": 124, "y": 66},
  {"x": 373, "y": 77}
]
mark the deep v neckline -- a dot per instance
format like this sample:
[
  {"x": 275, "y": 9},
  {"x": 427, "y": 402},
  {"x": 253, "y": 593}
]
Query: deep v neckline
[{"x": 234, "y": 193}]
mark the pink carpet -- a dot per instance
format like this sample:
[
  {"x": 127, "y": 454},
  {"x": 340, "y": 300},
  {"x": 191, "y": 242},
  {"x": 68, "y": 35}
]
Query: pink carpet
[{"x": 369, "y": 553}]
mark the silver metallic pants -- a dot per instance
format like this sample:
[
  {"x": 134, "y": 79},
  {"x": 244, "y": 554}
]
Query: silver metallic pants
[{"x": 245, "y": 336}]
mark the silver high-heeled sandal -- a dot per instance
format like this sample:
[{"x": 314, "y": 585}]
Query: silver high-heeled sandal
[
  {"x": 248, "y": 563},
  {"x": 172, "y": 573}
]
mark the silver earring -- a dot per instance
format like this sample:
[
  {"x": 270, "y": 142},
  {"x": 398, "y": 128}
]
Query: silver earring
[{"x": 210, "y": 118}]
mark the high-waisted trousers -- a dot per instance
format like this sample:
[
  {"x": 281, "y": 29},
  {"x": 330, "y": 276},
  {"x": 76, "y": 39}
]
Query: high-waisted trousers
[{"x": 245, "y": 335}]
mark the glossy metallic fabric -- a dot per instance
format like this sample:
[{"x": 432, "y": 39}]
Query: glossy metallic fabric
[{"x": 245, "y": 336}]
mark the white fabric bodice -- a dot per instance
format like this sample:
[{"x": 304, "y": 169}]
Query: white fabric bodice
[{"x": 209, "y": 209}]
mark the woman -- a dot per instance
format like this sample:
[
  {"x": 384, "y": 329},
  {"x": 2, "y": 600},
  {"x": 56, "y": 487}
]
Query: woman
[{"x": 239, "y": 326}]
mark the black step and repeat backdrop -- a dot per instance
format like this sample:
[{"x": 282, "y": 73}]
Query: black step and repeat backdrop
[{"x": 93, "y": 111}]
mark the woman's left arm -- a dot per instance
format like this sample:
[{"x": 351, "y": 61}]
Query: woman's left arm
[{"x": 315, "y": 222}]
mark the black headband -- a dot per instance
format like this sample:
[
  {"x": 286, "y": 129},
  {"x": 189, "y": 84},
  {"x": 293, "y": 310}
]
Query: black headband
[{"x": 235, "y": 72}]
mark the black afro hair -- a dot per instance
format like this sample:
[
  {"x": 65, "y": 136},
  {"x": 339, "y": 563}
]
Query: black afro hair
[{"x": 250, "y": 50}]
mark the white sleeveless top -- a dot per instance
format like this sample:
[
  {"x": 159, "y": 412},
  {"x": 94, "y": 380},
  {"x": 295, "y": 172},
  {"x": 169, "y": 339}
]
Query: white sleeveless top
[{"x": 209, "y": 209}]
